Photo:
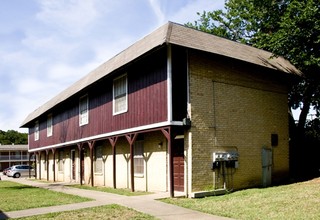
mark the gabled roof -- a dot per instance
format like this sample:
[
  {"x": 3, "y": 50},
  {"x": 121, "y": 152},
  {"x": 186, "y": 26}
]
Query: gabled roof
[{"x": 170, "y": 33}]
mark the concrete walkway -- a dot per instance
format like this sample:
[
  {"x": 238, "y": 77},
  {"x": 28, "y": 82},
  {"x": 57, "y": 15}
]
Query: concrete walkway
[{"x": 146, "y": 204}]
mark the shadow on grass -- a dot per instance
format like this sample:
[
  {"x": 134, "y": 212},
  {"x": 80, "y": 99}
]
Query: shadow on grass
[{"x": 18, "y": 187}]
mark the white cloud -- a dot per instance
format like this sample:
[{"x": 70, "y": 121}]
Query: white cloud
[
  {"x": 188, "y": 13},
  {"x": 156, "y": 7},
  {"x": 55, "y": 43},
  {"x": 71, "y": 17}
]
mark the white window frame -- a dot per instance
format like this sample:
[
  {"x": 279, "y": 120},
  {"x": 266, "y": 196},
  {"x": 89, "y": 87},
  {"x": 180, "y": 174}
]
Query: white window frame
[
  {"x": 36, "y": 131},
  {"x": 123, "y": 95},
  {"x": 139, "y": 158},
  {"x": 49, "y": 125},
  {"x": 84, "y": 113}
]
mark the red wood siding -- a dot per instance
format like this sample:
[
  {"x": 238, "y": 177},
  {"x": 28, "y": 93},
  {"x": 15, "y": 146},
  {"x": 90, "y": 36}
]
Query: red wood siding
[{"x": 147, "y": 104}]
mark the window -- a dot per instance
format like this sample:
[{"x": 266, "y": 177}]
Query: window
[
  {"x": 36, "y": 131},
  {"x": 49, "y": 125},
  {"x": 138, "y": 158},
  {"x": 98, "y": 162},
  {"x": 120, "y": 91},
  {"x": 83, "y": 110},
  {"x": 60, "y": 164}
]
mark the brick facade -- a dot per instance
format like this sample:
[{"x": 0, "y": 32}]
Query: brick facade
[{"x": 237, "y": 106}]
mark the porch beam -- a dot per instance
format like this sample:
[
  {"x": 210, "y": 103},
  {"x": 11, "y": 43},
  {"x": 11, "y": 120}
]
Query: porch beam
[
  {"x": 35, "y": 164},
  {"x": 131, "y": 139},
  {"x": 29, "y": 162},
  {"x": 54, "y": 163},
  {"x": 113, "y": 141},
  {"x": 91, "y": 145},
  {"x": 80, "y": 159},
  {"x": 167, "y": 133},
  {"x": 39, "y": 165},
  {"x": 47, "y": 163}
]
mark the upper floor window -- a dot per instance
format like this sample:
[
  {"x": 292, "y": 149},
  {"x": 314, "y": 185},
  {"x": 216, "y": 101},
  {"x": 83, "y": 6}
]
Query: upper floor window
[
  {"x": 49, "y": 126},
  {"x": 120, "y": 95},
  {"x": 36, "y": 131},
  {"x": 84, "y": 110}
]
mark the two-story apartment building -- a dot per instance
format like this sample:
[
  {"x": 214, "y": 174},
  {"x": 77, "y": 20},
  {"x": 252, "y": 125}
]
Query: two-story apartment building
[{"x": 179, "y": 110}]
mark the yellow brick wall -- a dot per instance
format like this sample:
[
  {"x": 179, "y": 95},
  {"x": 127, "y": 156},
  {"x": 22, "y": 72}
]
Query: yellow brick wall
[{"x": 238, "y": 106}]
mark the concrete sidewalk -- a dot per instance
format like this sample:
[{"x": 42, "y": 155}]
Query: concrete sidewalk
[{"x": 146, "y": 204}]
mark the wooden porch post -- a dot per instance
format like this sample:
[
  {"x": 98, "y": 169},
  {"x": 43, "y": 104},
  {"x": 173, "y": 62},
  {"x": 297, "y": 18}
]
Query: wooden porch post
[
  {"x": 91, "y": 145},
  {"x": 39, "y": 165},
  {"x": 29, "y": 162},
  {"x": 54, "y": 164},
  {"x": 47, "y": 160},
  {"x": 80, "y": 159},
  {"x": 167, "y": 134},
  {"x": 131, "y": 139},
  {"x": 113, "y": 142},
  {"x": 35, "y": 164}
]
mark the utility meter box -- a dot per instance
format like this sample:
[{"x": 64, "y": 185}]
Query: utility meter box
[{"x": 225, "y": 156}]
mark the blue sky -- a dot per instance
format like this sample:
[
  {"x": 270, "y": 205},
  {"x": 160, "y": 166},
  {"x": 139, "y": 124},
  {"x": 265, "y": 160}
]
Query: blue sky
[{"x": 46, "y": 45}]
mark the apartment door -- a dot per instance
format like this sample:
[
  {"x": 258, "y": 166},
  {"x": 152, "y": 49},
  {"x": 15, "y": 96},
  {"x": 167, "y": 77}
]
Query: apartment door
[
  {"x": 266, "y": 166},
  {"x": 178, "y": 164}
]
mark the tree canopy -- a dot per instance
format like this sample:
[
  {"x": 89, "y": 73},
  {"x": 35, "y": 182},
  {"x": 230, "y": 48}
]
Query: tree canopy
[
  {"x": 288, "y": 28},
  {"x": 13, "y": 137}
]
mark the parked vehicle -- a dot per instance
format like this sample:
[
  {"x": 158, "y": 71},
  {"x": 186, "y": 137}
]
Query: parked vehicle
[
  {"x": 20, "y": 170},
  {"x": 4, "y": 171}
]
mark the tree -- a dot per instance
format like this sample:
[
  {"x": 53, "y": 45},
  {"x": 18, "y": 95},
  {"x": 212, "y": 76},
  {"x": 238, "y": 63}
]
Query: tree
[
  {"x": 288, "y": 28},
  {"x": 13, "y": 137}
]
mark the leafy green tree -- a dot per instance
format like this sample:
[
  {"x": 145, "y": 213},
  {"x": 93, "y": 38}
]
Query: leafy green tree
[
  {"x": 288, "y": 28},
  {"x": 13, "y": 137}
]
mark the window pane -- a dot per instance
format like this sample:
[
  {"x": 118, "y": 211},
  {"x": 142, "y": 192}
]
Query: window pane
[
  {"x": 120, "y": 94},
  {"x": 36, "y": 131},
  {"x": 138, "y": 166},
  {"x": 83, "y": 111},
  {"x": 138, "y": 157},
  {"x": 49, "y": 125},
  {"x": 98, "y": 162}
]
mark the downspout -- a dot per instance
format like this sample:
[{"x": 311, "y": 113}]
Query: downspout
[
  {"x": 169, "y": 103},
  {"x": 189, "y": 151},
  {"x": 169, "y": 82}
]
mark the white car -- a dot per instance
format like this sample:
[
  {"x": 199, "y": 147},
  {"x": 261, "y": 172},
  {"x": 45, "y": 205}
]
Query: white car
[{"x": 20, "y": 170}]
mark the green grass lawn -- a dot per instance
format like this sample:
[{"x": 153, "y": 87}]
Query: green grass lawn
[
  {"x": 100, "y": 212},
  {"x": 15, "y": 196},
  {"x": 294, "y": 201},
  {"x": 124, "y": 192}
]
